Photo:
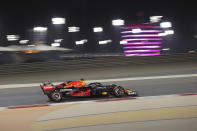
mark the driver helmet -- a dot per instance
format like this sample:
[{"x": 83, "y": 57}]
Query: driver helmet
[{"x": 83, "y": 81}]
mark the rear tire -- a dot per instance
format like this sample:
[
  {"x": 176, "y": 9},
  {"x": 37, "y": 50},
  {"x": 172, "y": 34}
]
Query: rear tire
[
  {"x": 56, "y": 96},
  {"x": 118, "y": 91}
]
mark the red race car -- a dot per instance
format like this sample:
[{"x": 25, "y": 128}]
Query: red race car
[{"x": 76, "y": 89}]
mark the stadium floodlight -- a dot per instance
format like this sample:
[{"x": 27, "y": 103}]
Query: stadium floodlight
[
  {"x": 109, "y": 41},
  {"x": 58, "y": 40},
  {"x": 13, "y": 37},
  {"x": 162, "y": 34},
  {"x": 104, "y": 42},
  {"x": 73, "y": 29},
  {"x": 169, "y": 32},
  {"x": 166, "y": 49},
  {"x": 118, "y": 22},
  {"x": 123, "y": 42},
  {"x": 81, "y": 42},
  {"x": 155, "y": 19},
  {"x": 98, "y": 29},
  {"x": 165, "y": 24},
  {"x": 58, "y": 21},
  {"x": 138, "y": 30},
  {"x": 40, "y": 29},
  {"x": 55, "y": 44},
  {"x": 23, "y": 41}
]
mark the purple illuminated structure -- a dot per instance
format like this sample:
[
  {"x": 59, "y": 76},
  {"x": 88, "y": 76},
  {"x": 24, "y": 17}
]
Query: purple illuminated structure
[
  {"x": 150, "y": 54},
  {"x": 144, "y": 31},
  {"x": 142, "y": 47},
  {"x": 141, "y": 51},
  {"x": 143, "y": 39},
  {"x": 146, "y": 42},
  {"x": 148, "y": 35}
]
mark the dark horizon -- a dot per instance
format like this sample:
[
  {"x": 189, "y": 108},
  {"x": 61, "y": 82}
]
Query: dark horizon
[{"x": 18, "y": 17}]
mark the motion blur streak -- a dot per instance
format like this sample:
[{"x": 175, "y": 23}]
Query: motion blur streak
[
  {"x": 150, "y": 54},
  {"x": 144, "y": 43},
  {"x": 140, "y": 47},
  {"x": 155, "y": 39},
  {"x": 148, "y": 35},
  {"x": 143, "y": 31},
  {"x": 107, "y": 80},
  {"x": 137, "y": 51}
]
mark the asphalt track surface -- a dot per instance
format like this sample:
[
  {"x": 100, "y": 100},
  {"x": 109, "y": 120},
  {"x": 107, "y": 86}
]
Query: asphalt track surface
[{"x": 152, "y": 87}]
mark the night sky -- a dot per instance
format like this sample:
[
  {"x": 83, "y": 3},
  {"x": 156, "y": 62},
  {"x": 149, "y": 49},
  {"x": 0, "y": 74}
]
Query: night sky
[{"x": 18, "y": 16}]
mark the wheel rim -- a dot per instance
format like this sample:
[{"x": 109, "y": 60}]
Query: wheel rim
[
  {"x": 119, "y": 91},
  {"x": 56, "y": 96}
]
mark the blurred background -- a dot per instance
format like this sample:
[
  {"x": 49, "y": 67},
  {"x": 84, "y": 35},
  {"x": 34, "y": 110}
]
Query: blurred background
[{"x": 35, "y": 31}]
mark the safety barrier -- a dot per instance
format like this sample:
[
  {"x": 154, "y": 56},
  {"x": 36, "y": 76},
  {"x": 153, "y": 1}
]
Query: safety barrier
[{"x": 93, "y": 63}]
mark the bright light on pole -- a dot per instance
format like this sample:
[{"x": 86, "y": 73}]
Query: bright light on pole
[
  {"x": 40, "y": 29},
  {"x": 162, "y": 34},
  {"x": 155, "y": 19},
  {"x": 169, "y": 32},
  {"x": 104, "y": 42},
  {"x": 40, "y": 34},
  {"x": 58, "y": 21},
  {"x": 166, "y": 49},
  {"x": 118, "y": 22},
  {"x": 81, "y": 42},
  {"x": 136, "y": 30},
  {"x": 55, "y": 44},
  {"x": 58, "y": 40},
  {"x": 165, "y": 24},
  {"x": 123, "y": 42},
  {"x": 73, "y": 29},
  {"x": 98, "y": 29},
  {"x": 23, "y": 41},
  {"x": 13, "y": 37}
]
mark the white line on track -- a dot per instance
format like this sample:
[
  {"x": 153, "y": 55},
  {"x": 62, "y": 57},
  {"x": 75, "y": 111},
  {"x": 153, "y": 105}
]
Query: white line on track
[
  {"x": 2, "y": 108},
  {"x": 100, "y": 100},
  {"x": 68, "y": 103},
  {"x": 106, "y": 80}
]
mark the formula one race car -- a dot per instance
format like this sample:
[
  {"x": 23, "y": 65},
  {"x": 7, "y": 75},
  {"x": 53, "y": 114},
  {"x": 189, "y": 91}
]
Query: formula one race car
[{"x": 57, "y": 92}]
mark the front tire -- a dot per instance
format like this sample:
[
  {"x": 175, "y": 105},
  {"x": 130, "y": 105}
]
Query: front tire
[
  {"x": 118, "y": 91},
  {"x": 56, "y": 96}
]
